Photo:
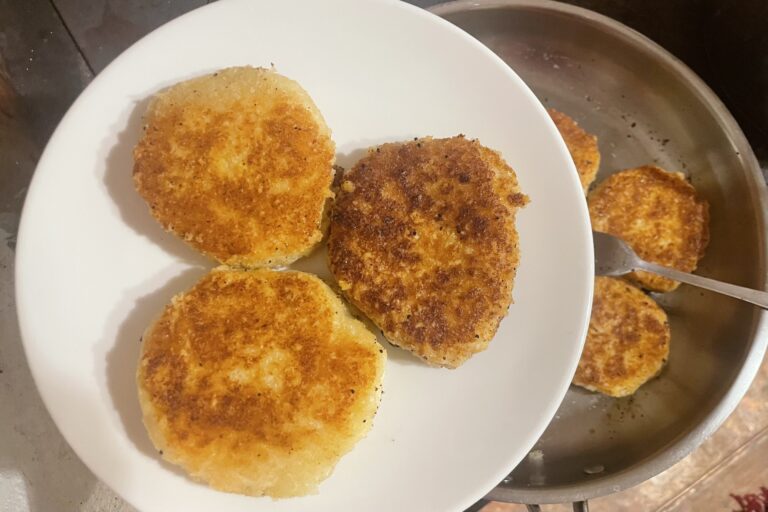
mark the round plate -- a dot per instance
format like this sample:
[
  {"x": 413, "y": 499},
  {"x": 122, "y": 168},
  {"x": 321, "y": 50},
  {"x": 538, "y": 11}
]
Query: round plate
[{"x": 93, "y": 267}]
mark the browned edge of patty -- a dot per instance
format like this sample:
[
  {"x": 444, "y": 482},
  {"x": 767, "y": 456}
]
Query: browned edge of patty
[
  {"x": 659, "y": 214},
  {"x": 252, "y": 372},
  {"x": 627, "y": 342},
  {"x": 423, "y": 242},
  {"x": 238, "y": 164},
  {"x": 581, "y": 145}
]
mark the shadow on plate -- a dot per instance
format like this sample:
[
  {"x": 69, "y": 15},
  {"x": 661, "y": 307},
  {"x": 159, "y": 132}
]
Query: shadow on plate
[
  {"x": 349, "y": 159},
  {"x": 317, "y": 263},
  {"x": 122, "y": 359},
  {"x": 118, "y": 179}
]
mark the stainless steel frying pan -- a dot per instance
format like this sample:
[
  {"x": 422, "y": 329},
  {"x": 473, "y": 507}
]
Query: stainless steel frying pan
[{"x": 646, "y": 107}]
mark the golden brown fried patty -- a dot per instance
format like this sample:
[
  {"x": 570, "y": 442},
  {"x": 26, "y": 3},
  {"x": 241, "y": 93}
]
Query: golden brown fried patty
[
  {"x": 237, "y": 163},
  {"x": 257, "y": 382},
  {"x": 628, "y": 340},
  {"x": 581, "y": 145},
  {"x": 658, "y": 214},
  {"x": 423, "y": 241}
]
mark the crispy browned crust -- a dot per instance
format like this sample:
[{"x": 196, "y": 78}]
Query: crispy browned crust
[
  {"x": 628, "y": 340},
  {"x": 581, "y": 145},
  {"x": 257, "y": 382},
  {"x": 238, "y": 164},
  {"x": 423, "y": 241},
  {"x": 659, "y": 214}
]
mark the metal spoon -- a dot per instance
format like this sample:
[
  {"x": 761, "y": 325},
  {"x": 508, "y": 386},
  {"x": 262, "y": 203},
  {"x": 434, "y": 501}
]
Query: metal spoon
[{"x": 613, "y": 257}]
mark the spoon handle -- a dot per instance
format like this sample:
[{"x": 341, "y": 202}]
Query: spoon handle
[{"x": 756, "y": 297}]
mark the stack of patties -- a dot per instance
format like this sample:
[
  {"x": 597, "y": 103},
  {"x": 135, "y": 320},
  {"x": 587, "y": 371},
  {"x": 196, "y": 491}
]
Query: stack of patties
[
  {"x": 254, "y": 381},
  {"x": 660, "y": 215}
]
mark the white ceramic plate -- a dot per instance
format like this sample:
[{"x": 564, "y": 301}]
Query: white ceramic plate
[{"x": 93, "y": 267}]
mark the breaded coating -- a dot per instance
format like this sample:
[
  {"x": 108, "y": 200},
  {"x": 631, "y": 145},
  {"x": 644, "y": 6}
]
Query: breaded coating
[
  {"x": 257, "y": 382},
  {"x": 659, "y": 214},
  {"x": 582, "y": 146},
  {"x": 628, "y": 340},
  {"x": 238, "y": 164},
  {"x": 423, "y": 241}
]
